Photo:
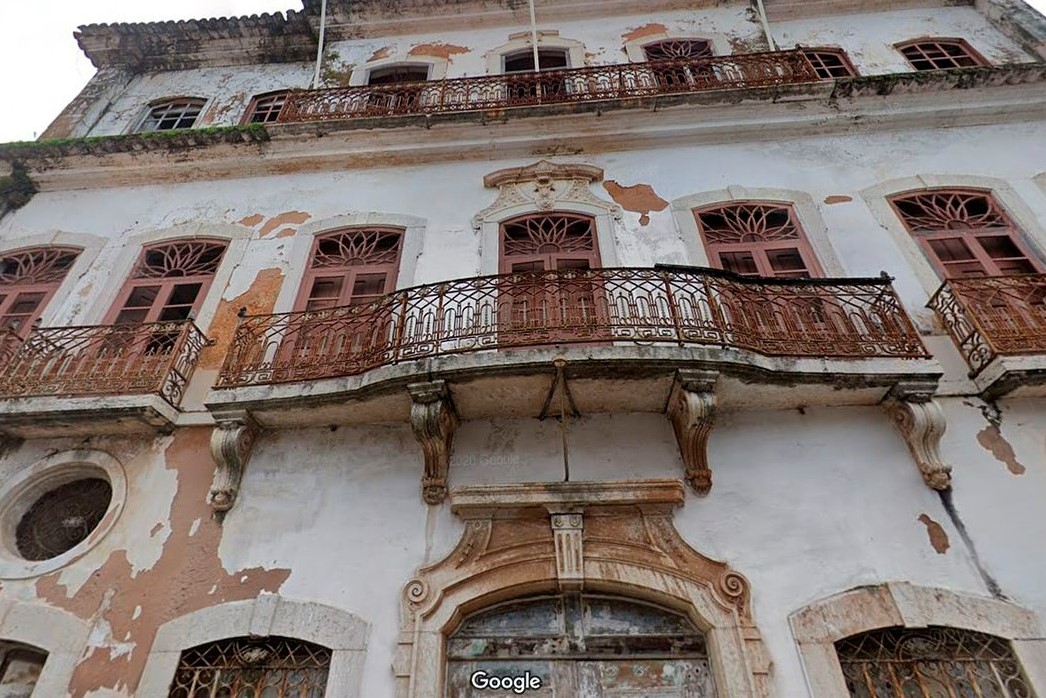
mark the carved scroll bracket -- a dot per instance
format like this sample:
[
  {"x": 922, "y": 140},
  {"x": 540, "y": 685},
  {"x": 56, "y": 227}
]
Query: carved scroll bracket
[
  {"x": 567, "y": 527},
  {"x": 434, "y": 420},
  {"x": 231, "y": 443},
  {"x": 921, "y": 422},
  {"x": 692, "y": 409}
]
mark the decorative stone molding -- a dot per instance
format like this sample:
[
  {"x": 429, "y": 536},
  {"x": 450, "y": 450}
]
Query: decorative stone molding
[
  {"x": 692, "y": 409},
  {"x": 921, "y": 422},
  {"x": 231, "y": 443},
  {"x": 59, "y": 633},
  {"x": 538, "y": 538},
  {"x": 434, "y": 421},
  {"x": 340, "y": 631},
  {"x": 544, "y": 186},
  {"x": 820, "y": 625}
]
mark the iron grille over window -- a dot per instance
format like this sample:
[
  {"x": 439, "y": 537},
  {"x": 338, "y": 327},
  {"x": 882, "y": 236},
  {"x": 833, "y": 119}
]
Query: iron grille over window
[
  {"x": 930, "y": 663},
  {"x": 965, "y": 233},
  {"x": 582, "y": 645},
  {"x": 673, "y": 49},
  {"x": 265, "y": 109},
  {"x": 830, "y": 63},
  {"x": 28, "y": 279},
  {"x": 273, "y": 667},
  {"x": 172, "y": 114},
  {"x": 757, "y": 239},
  {"x": 940, "y": 54},
  {"x": 62, "y": 517}
]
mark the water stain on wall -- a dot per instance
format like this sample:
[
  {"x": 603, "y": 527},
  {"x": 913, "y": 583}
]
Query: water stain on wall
[
  {"x": 991, "y": 438},
  {"x": 937, "y": 534},
  {"x": 188, "y": 576},
  {"x": 638, "y": 198}
]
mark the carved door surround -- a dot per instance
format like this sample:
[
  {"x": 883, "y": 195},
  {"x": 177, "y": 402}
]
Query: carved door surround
[{"x": 612, "y": 538}]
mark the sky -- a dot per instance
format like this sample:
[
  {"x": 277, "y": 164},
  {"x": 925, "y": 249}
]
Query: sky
[{"x": 42, "y": 69}]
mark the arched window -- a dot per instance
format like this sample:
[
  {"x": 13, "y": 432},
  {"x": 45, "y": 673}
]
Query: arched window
[
  {"x": 757, "y": 239},
  {"x": 940, "y": 54},
  {"x": 402, "y": 87},
  {"x": 965, "y": 233},
  {"x": 351, "y": 267},
  {"x": 548, "y": 242},
  {"x": 20, "y": 667},
  {"x": 274, "y": 667},
  {"x": 677, "y": 49},
  {"x": 168, "y": 282},
  {"x": 933, "y": 662},
  {"x": 830, "y": 63},
  {"x": 580, "y": 645},
  {"x": 171, "y": 114},
  {"x": 265, "y": 109},
  {"x": 28, "y": 280}
]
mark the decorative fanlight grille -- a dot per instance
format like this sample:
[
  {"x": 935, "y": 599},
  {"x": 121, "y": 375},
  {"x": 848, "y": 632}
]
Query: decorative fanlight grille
[
  {"x": 740, "y": 223},
  {"x": 37, "y": 266},
  {"x": 274, "y": 667},
  {"x": 551, "y": 234},
  {"x": 930, "y": 662},
  {"x": 351, "y": 248},
  {"x": 934, "y": 211},
  {"x": 62, "y": 517},
  {"x": 675, "y": 49},
  {"x": 179, "y": 259}
]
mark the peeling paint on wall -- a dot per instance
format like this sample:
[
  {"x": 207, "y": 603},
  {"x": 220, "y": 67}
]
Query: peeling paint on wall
[
  {"x": 438, "y": 49},
  {"x": 991, "y": 438},
  {"x": 645, "y": 31},
  {"x": 188, "y": 576},
  {"x": 838, "y": 199},
  {"x": 287, "y": 218},
  {"x": 638, "y": 198},
  {"x": 258, "y": 299},
  {"x": 383, "y": 52},
  {"x": 937, "y": 534}
]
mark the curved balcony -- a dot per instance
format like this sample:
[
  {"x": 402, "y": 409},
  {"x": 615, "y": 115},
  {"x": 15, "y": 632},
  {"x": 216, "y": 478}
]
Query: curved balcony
[
  {"x": 549, "y": 87},
  {"x": 501, "y": 334},
  {"x": 999, "y": 325},
  {"x": 115, "y": 377}
]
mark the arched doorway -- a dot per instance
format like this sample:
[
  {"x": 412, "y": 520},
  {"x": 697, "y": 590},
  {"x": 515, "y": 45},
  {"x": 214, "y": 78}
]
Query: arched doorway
[{"x": 583, "y": 645}]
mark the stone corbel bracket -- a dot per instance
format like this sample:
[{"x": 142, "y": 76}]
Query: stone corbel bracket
[
  {"x": 921, "y": 422},
  {"x": 231, "y": 444},
  {"x": 692, "y": 409},
  {"x": 434, "y": 420}
]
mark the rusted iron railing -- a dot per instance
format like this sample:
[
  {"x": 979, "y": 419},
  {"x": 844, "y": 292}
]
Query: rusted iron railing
[
  {"x": 9, "y": 343},
  {"x": 993, "y": 316},
  {"x": 857, "y": 318},
  {"x": 588, "y": 84},
  {"x": 153, "y": 358}
]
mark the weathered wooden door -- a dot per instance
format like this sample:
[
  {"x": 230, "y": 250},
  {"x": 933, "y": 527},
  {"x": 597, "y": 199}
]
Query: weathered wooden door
[{"x": 579, "y": 646}]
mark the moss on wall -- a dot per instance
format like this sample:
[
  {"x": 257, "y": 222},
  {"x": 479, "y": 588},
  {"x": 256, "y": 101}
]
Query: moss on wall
[{"x": 16, "y": 189}]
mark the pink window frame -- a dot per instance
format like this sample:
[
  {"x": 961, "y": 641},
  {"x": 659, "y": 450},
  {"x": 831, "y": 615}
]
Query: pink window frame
[
  {"x": 11, "y": 292},
  {"x": 969, "y": 50},
  {"x": 252, "y": 107},
  {"x": 759, "y": 249},
  {"x": 349, "y": 273},
  {"x": 839, "y": 53},
  {"x": 688, "y": 39},
  {"x": 505, "y": 261},
  {"x": 166, "y": 284},
  {"x": 988, "y": 263}
]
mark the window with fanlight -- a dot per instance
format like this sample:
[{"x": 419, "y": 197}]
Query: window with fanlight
[
  {"x": 830, "y": 63},
  {"x": 168, "y": 282},
  {"x": 354, "y": 266},
  {"x": 965, "y": 233},
  {"x": 171, "y": 114},
  {"x": 757, "y": 239},
  {"x": 933, "y": 662},
  {"x": 940, "y": 54},
  {"x": 265, "y": 109},
  {"x": 273, "y": 667},
  {"x": 28, "y": 280},
  {"x": 678, "y": 49}
]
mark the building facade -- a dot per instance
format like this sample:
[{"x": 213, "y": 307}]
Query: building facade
[{"x": 649, "y": 349}]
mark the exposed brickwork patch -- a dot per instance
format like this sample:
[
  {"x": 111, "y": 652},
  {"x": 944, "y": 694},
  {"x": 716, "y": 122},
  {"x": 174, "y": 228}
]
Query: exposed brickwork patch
[
  {"x": 283, "y": 219},
  {"x": 638, "y": 198},
  {"x": 645, "y": 31},
  {"x": 188, "y": 576},
  {"x": 259, "y": 299},
  {"x": 438, "y": 49},
  {"x": 838, "y": 199},
  {"x": 991, "y": 438},
  {"x": 937, "y": 534},
  {"x": 383, "y": 52}
]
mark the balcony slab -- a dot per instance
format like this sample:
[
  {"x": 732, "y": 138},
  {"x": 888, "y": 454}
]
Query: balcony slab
[
  {"x": 52, "y": 417},
  {"x": 602, "y": 379}
]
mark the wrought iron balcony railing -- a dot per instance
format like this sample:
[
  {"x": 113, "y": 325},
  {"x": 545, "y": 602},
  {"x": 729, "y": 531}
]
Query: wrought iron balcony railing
[
  {"x": 994, "y": 316},
  {"x": 110, "y": 360},
  {"x": 588, "y": 84},
  {"x": 857, "y": 318}
]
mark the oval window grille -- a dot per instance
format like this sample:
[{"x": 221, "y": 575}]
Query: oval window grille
[{"x": 62, "y": 517}]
